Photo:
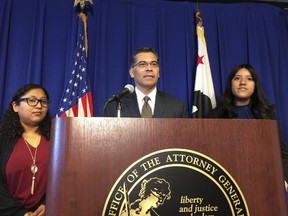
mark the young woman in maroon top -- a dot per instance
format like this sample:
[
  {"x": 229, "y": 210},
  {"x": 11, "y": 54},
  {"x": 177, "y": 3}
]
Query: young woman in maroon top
[{"x": 24, "y": 152}]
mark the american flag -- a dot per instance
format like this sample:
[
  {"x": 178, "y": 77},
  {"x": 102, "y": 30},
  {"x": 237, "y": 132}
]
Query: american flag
[
  {"x": 77, "y": 96},
  {"x": 204, "y": 95}
]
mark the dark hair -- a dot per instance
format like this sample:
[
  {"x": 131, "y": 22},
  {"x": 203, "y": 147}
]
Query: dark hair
[
  {"x": 143, "y": 50},
  {"x": 261, "y": 107},
  {"x": 11, "y": 126}
]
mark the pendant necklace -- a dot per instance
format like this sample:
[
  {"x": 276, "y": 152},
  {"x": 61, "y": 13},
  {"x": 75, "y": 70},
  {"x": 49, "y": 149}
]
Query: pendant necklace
[{"x": 34, "y": 167}]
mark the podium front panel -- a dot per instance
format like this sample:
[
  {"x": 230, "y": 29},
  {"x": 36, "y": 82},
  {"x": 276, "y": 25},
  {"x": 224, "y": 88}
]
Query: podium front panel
[{"x": 88, "y": 155}]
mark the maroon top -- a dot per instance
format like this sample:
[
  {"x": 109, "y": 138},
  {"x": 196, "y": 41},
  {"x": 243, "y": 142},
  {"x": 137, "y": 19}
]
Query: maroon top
[{"x": 19, "y": 175}]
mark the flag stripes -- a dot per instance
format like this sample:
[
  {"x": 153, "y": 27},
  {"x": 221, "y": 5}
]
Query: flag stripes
[{"x": 77, "y": 97}]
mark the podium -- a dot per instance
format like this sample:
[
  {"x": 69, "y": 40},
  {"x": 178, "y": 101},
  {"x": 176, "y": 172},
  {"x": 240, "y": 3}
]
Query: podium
[{"x": 89, "y": 154}]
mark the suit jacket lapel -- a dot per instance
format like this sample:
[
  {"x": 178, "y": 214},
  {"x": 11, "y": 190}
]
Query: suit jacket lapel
[
  {"x": 131, "y": 104},
  {"x": 159, "y": 105}
]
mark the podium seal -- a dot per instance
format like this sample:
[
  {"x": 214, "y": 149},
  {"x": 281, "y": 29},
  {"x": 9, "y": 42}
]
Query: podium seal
[{"x": 175, "y": 182}]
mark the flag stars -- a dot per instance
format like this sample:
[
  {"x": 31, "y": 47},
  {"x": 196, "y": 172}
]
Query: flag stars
[
  {"x": 200, "y": 60},
  {"x": 77, "y": 85}
]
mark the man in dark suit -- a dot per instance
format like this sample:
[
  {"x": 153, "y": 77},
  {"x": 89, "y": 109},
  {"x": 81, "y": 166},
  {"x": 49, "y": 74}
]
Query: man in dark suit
[{"x": 145, "y": 71}]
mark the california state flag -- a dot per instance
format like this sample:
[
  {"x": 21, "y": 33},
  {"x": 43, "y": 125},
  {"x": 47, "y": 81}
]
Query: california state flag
[{"x": 204, "y": 95}]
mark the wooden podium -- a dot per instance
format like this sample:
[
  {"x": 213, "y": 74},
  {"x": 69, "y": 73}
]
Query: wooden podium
[{"x": 89, "y": 154}]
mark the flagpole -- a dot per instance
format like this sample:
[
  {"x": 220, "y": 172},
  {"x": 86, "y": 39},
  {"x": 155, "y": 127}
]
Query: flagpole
[
  {"x": 82, "y": 4},
  {"x": 77, "y": 96},
  {"x": 204, "y": 95},
  {"x": 84, "y": 20},
  {"x": 198, "y": 17}
]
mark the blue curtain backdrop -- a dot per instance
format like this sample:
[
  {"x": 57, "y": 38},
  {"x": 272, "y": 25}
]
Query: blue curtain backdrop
[{"x": 37, "y": 40}]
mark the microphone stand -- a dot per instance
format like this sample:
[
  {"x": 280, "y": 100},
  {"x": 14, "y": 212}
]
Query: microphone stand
[{"x": 119, "y": 108}]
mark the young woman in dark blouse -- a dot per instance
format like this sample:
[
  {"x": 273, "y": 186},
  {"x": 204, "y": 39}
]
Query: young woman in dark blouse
[
  {"x": 24, "y": 152},
  {"x": 244, "y": 98}
]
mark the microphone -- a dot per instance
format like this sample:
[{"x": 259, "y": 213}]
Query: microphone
[{"x": 128, "y": 89}]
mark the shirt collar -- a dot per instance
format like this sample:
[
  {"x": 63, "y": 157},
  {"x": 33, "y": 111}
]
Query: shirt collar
[{"x": 151, "y": 95}]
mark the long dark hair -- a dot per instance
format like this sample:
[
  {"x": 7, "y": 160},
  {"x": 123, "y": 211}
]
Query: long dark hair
[
  {"x": 10, "y": 125},
  {"x": 260, "y": 106}
]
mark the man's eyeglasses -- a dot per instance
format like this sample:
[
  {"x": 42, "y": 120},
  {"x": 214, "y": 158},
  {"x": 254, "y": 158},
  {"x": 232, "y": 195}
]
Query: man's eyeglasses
[
  {"x": 144, "y": 64},
  {"x": 34, "y": 102}
]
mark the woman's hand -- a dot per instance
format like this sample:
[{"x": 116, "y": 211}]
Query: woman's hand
[{"x": 40, "y": 211}]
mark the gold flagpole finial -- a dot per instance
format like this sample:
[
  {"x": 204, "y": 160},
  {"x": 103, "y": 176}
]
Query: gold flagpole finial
[
  {"x": 82, "y": 3},
  {"x": 198, "y": 17},
  {"x": 83, "y": 16}
]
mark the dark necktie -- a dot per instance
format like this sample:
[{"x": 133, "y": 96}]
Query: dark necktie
[{"x": 146, "y": 109}]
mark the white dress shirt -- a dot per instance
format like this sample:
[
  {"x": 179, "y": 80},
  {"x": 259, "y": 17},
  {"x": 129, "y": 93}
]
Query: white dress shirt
[{"x": 140, "y": 99}]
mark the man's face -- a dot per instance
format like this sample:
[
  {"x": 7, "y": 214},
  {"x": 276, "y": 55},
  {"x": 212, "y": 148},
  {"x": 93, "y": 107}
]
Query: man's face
[{"x": 145, "y": 71}]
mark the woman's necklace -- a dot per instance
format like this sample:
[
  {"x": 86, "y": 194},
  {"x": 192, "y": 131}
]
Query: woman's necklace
[{"x": 34, "y": 167}]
